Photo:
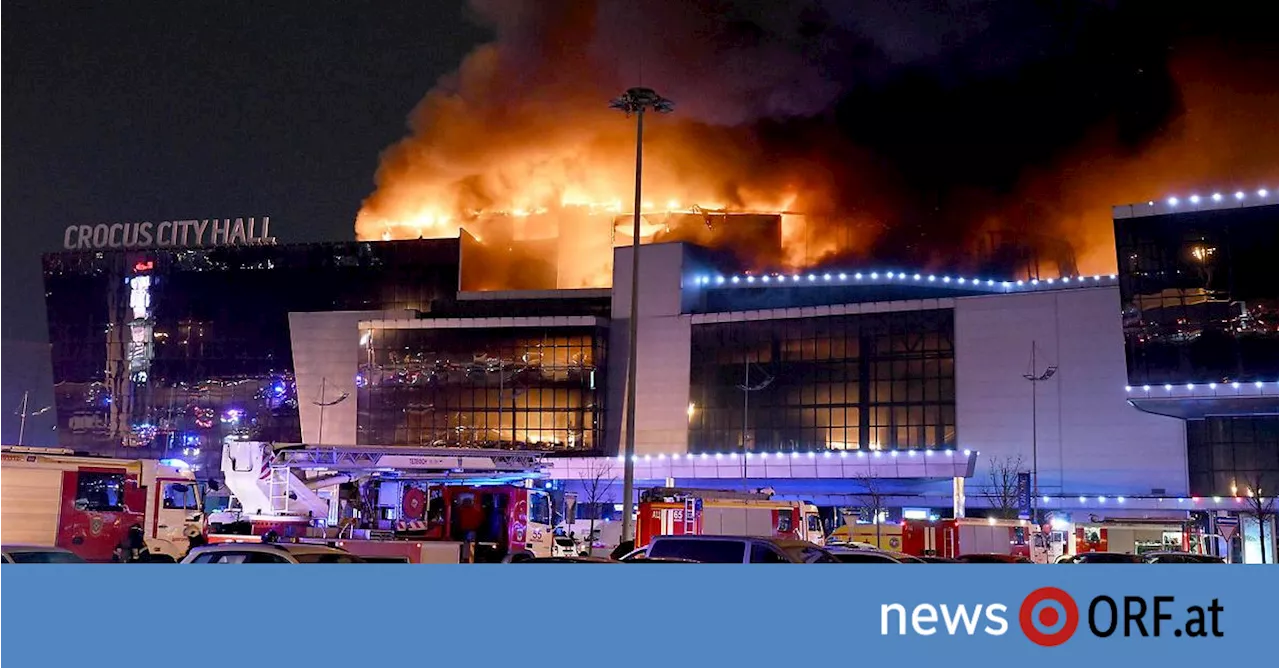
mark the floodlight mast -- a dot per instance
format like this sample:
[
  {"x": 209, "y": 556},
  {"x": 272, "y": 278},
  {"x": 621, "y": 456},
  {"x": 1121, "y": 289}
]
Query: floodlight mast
[{"x": 636, "y": 101}]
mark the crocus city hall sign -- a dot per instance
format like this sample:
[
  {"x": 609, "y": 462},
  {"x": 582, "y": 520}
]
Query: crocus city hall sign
[{"x": 169, "y": 233}]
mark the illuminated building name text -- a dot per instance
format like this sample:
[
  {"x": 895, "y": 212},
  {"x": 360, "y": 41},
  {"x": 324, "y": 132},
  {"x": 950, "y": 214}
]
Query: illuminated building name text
[{"x": 206, "y": 232}]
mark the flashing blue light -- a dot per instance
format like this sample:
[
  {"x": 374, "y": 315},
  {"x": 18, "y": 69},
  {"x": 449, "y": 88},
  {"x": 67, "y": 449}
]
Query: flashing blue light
[
  {"x": 278, "y": 389},
  {"x": 547, "y": 486},
  {"x": 175, "y": 463}
]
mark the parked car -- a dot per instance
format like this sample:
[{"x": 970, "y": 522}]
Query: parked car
[
  {"x": 851, "y": 544},
  {"x": 1105, "y": 558},
  {"x": 736, "y": 550},
  {"x": 270, "y": 553},
  {"x": 36, "y": 554},
  {"x": 862, "y": 556},
  {"x": 1171, "y": 557},
  {"x": 991, "y": 558}
]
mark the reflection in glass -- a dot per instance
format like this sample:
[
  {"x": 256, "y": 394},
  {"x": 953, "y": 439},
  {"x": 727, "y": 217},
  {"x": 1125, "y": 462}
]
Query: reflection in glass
[
  {"x": 874, "y": 381},
  {"x": 1199, "y": 295},
  {"x": 514, "y": 388}
]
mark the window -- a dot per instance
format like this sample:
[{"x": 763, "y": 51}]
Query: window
[
  {"x": 703, "y": 551},
  {"x": 53, "y": 557},
  {"x": 882, "y": 381},
  {"x": 179, "y": 496},
  {"x": 539, "y": 508},
  {"x": 765, "y": 554},
  {"x": 514, "y": 388},
  {"x": 100, "y": 492},
  {"x": 784, "y": 521},
  {"x": 815, "y": 523},
  {"x": 1198, "y": 295}
]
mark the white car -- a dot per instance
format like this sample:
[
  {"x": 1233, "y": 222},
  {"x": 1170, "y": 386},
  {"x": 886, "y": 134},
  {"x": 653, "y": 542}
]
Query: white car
[
  {"x": 36, "y": 554},
  {"x": 853, "y": 545},
  {"x": 864, "y": 556},
  {"x": 270, "y": 553}
]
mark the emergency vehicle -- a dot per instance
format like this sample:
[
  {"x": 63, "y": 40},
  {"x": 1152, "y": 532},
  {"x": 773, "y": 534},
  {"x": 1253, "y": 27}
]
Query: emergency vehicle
[
  {"x": 387, "y": 501},
  {"x": 951, "y": 538},
  {"x": 668, "y": 511},
  {"x": 87, "y": 504}
]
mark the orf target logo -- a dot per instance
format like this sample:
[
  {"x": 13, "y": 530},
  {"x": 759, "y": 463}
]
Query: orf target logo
[{"x": 1048, "y": 616}]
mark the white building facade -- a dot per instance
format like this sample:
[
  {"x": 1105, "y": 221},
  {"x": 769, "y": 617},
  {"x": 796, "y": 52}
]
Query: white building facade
[{"x": 1093, "y": 452}]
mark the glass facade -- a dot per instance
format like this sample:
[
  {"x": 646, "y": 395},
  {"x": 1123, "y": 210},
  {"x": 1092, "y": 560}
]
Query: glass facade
[
  {"x": 868, "y": 381},
  {"x": 162, "y": 353},
  {"x": 1199, "y": 295},
  {"x": 536, "y": 388},
  {"x": 1230, "y": 456}
]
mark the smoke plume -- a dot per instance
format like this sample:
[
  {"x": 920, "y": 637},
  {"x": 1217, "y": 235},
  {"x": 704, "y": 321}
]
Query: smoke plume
[{"x": 948, "y": 134}]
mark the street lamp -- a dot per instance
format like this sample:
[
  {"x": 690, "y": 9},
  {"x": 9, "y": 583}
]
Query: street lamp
[
  {"x": 1036, "y": 378},
  {"x": 747, "y": 388},
  {"x": 24, "y": 414},
  {"x": 322, "y": 404},
  {"x": 635, "y": 101}
]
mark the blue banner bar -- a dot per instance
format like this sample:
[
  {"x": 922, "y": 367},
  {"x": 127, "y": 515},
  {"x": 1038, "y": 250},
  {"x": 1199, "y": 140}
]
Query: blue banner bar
[{"x": 643, "y": 615}]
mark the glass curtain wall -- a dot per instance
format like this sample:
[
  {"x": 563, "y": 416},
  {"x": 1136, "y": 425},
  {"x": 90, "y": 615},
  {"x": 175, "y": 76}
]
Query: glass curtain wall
[
  {"x": 515, "y": 388},
  {"x": 870, "y": 381}
]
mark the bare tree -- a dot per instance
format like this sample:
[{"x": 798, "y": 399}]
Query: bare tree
[
  {"x": 1001, "y": 491},
  {"x": 1262, "y": 508},
  {"x": 597, "y": 484},
  {"x": 872, "y": 500}
]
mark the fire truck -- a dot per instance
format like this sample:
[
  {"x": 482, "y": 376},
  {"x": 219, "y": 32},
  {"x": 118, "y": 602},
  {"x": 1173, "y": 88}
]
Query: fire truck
[
  {"x": 88, "y": 505},
  {"x": 947, "y": 537},
  {"x": 387, "y": 501},
  {"x": 668, "y": 511}
]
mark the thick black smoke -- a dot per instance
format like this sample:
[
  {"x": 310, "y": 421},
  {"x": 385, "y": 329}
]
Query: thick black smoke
[{"x": 913, "y": 128}]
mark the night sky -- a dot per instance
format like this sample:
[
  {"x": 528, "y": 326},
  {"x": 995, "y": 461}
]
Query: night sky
[
  {"x": 147, "y": 111},
  {"x": 122, "y": 112}
]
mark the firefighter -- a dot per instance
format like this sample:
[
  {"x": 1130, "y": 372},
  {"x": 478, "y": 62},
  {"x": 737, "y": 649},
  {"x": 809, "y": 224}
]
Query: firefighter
[{"x": 132, "y": 548}]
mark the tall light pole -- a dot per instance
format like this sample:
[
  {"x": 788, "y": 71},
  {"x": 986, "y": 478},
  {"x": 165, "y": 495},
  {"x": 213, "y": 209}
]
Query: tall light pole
[
  {"x": 1036, "y": 378},
  {"x": 24, "y": 414},
  {"x": 635, "y": 101},
  {"x": 322, "y": 404}
]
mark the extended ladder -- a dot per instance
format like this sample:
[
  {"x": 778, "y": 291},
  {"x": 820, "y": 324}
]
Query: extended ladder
[
  {"x": 690, "y": 516},
  {"x": 278, "y": 488}
]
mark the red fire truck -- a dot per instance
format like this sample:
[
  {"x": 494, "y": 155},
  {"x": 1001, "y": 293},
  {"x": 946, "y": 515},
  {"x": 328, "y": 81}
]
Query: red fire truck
[
  {"x": 944, "y": 538},
  {"x": 88, "y": 505},
  {"x": 674, "y": 512},
  {"x": 499, "y": 520}
]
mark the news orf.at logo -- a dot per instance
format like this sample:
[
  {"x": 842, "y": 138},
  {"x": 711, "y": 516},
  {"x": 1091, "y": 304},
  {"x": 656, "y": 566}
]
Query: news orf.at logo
[{"x": 1049, "y": 617}]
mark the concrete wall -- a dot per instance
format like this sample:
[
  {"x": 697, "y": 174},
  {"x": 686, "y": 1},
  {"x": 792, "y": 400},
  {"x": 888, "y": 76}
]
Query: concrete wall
[
  {"x": 326, "y": 349},
  {"x": 1090, "y": 440},
  {"x": 665, "y": 334}
]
